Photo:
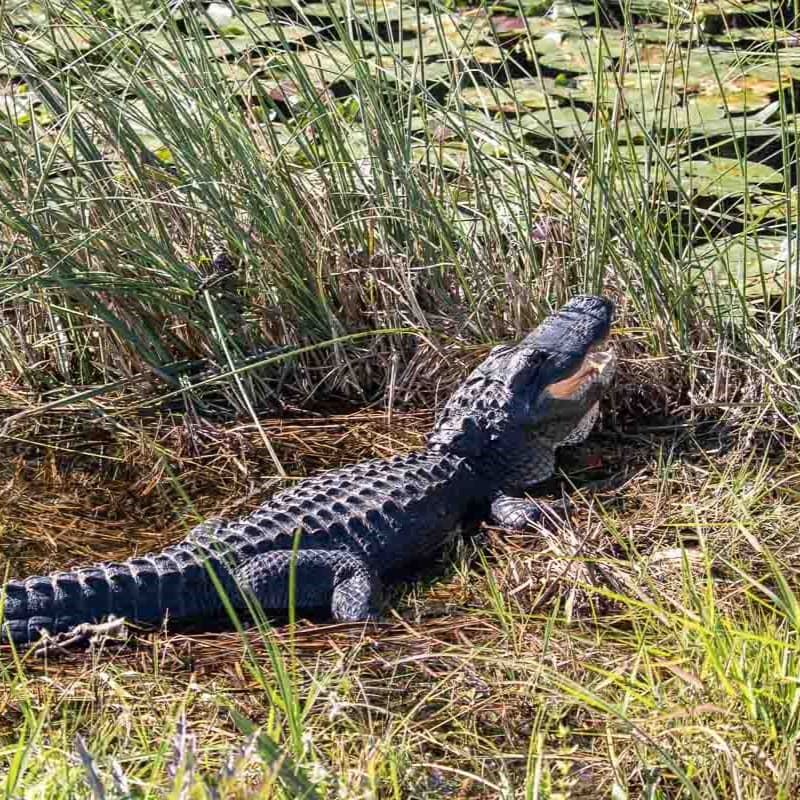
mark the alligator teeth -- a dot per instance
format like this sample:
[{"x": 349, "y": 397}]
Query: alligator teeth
[
  {"x": 597, "y": 366},
  {"x": 603, "y": 362}
]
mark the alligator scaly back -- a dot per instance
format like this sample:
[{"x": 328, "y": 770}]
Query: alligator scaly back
[{"x": 365, "y": 520}]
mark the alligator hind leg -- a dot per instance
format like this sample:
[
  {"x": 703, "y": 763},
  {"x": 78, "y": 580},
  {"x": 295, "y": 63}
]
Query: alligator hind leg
[{"x": 331, "y": 579}]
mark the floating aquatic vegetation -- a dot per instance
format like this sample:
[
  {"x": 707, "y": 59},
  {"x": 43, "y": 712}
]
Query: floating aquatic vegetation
[{"x": 555, "y": 75}]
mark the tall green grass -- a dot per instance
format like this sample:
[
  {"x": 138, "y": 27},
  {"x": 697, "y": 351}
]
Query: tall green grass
[{"x": 146, "y": 155}]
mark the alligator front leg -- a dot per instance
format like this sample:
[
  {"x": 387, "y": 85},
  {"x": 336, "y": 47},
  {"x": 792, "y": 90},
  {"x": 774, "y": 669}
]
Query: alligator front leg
[
  {"x": 517, "y": 513},
  {"x": 331, "y": 579}
]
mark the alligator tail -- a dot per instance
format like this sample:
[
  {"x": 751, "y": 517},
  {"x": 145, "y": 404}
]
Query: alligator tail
[{"x": 174, "y": 583}]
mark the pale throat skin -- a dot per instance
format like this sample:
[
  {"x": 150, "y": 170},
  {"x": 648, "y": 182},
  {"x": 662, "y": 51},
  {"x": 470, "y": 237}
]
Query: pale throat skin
[{"x": 347, "y": 532}]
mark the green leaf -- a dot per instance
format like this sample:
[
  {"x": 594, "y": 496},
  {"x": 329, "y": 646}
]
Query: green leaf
[
  {"x": 640, "y": 92},
  {"x": 518, "y": 95},
  {"x": 722, "y": 177},
  {"x": 573, "y": 53},
  {"x": 741, "y": 266},
  {"x": 566, "y": 121}
]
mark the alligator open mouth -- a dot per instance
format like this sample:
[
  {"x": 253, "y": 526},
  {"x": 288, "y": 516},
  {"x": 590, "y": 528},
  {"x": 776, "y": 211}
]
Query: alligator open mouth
[
  {"x": 604, "y": 362},
  {"x": 597, "y": 367}
]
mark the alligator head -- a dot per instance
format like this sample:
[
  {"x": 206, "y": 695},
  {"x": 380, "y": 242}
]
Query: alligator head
[{"x": 545, "y": 389}]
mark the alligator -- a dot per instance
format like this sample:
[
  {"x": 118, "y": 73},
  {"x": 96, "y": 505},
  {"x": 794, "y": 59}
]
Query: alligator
[{"x": 333, "y": 541}]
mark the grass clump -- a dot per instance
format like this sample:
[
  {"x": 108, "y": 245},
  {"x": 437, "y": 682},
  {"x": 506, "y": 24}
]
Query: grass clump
[{"x": 395, "y": 188}]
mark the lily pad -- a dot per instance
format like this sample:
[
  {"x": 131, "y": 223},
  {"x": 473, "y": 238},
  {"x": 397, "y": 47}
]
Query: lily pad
[
  {"x": 526, "y": 6},
  {"x": 727, "y": 8},
  {"x": 777, "y": 204},
  {"x": 453, "y": 35},
  {"x": 689, "y": 68},
  {"x": 518, "y": 95},
  {"x": 695, "y": 114},
  {"x": 233, "y": 43},
  {"x": 377, "y": 10},
  {"x": 637, "y": 91},
  {"x": 487, "y": 54},
  {"x": 444, "y": 128},
  {"x": 753, "y": 268},
  {"x": 327, "y": 66},
  {"x": 653, "y": 9},
  {"x": 740, "y": 84},
  {"x": 763, "y": 33},
  {"x": 647, "y": 153},
  {"x": 291, "y": 93},
  {"x": 735, "y": 127},
  {"x": 747, "y": 93},
  {"x": 431, "y": 73},
  {"x": 564, "y": 121},
  {"x": 506, "y": 26},
  {"x": 723, "y": 177},
  {"x": 260, "y": 26},
  {"x": 658, "y": 32},
  {"x": 636, "y": 107},
  {"x": 653, "y": 56},
  {"x": 454, "y": 155},
  {"x": 573, "y": 53},
  {"x": 569, "y": 9},
  {"x": 510, "y": 26}
]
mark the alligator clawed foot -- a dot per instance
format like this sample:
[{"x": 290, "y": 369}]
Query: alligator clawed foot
[
  {"x": 86, "y": 634},
  {"x": 520, "y": 513}
]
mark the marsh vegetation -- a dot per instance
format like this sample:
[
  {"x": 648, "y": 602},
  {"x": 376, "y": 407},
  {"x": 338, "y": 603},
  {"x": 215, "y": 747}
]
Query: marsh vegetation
[{"x": 399, "y": 186}]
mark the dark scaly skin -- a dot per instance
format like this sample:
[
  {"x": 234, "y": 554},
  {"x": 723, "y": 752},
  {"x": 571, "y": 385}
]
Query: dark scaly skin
[{"x": 358, "y": 526}]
